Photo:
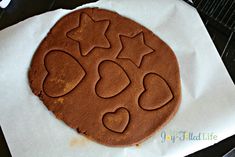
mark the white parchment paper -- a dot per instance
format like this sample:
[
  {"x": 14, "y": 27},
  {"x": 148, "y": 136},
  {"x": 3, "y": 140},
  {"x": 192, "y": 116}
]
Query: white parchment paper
[{"x": 208, "y": 94}]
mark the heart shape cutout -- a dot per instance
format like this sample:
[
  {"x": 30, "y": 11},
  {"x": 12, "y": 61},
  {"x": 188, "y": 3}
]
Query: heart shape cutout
[
  {"x": 157, "y": 92},
  {"x": 113, "y": 79},
  {"x": 117, "y": 121},
  {"x": 64, "y": 73}
]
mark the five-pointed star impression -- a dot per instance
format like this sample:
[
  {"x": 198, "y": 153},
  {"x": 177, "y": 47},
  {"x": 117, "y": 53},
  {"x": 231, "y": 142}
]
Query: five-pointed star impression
[
  {"x": 134, "y": 48},
  {"x": 90, "y": 34}
]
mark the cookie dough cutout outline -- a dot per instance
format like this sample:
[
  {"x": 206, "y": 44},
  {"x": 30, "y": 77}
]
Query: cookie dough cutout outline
[
  {"x": 115, "y": 110},
  {"x": 101, "y": 78},
  {"x": 146, "y": 90},
  {"x": 94, "y": 47},
  {"x": 131, "y": 37},
  {"x": 66, "y": 53}
]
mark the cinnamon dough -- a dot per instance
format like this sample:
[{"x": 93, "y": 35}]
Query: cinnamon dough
[{"x": 106, "y": 76}]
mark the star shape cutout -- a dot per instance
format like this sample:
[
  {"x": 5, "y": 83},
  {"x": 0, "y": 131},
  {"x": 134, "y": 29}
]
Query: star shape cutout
[
  {"x": 90, "y": 34},
  {"x": 134, "y": 48}
]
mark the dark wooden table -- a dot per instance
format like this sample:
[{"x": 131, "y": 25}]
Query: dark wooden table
[{"x": 21, "y": 9}]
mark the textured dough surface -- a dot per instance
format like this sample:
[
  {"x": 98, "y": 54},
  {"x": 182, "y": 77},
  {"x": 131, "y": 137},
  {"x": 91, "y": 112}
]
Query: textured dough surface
[{"x": 106, "y": 76}]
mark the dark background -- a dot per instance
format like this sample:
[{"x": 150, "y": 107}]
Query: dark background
[{"x": 21, "y": 9}]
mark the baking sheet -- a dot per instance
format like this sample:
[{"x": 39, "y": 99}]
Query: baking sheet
[{"x": 208, "y": 94}]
